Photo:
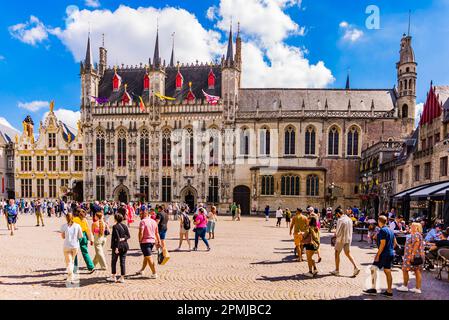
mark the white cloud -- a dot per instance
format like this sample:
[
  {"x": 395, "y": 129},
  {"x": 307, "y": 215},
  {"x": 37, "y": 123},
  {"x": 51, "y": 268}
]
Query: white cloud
[
  {"x": 33, "y": 106},
  {"x": 419, "y": 110},
  {"x": 69, "y": 117},
  {"x": 10, "y": 130},
  {"x": 93, "y": 3},
  {"x": 265, "y": 25},
  {"x": 2, "y": 58},
  {"x": 350, "y": 32},
  {"x": 31, "y": 32}
]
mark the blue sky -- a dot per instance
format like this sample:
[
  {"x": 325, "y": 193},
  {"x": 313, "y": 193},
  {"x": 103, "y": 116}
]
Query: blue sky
[{"x": 300, "y": 43}]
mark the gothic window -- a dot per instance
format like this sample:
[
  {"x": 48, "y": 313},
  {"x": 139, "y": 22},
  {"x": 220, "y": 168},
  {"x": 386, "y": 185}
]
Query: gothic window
[
  {"x": 213, "y": 190},
  {"x": 101, "y": 148},
  {"x": 290, "y": 185},
  {"x": 145, "y": 187},
  {"x": 121, "y": 148},
  {"x": 244, "y": 142},
  {"x": 310, "y": 141},
  {"x": 333, "y": 141},
  {"x": 189, "y": 148},
  {"x": 313, "y": 186},
  {"x": 144, "y": 149},
  {"x": 404, "y": 111},
  {"x": 166, "y": 148},
  {"x": 101, "y": 188},
  {"x": 267, "y": 186},
  {"x": 214, "y": 147},
  {"x": 289, "y": 140},
  {"x": 265, "y": 140},
  {"x": 52, "y": 140},
  {"x": 353, "y": 142},
  {"x": 166, "y": 189}
]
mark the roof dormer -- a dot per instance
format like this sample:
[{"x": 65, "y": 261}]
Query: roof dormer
[
  {"x": 190, "y": 95},
  {"x": 179, "y": 80},
  {"x": 146, "y": 82},
  {"x": 211, "y": 79},
  {"x": 126, "y": 99}
]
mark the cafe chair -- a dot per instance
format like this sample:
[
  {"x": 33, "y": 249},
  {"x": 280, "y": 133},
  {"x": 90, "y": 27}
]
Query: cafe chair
[{"x": 443, "y": 256}]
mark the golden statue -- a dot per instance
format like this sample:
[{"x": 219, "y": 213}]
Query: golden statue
[{"x": 52, "y": 106}]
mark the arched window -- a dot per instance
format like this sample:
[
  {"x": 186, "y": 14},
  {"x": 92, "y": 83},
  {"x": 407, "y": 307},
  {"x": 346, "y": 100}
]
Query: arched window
[
  {"x": 353, "y": 142},
  {"x": 214, "y": 147},
  {"x": 310, "y": 141},
  {"x": 405, "y": 85},
  {"x": 267, "y": 186},
  {"x": 244, "y": 142},
  {"x": 121, "y": 149},
  {"x": 189, "y": 148},
  {"x": 166, "y": 148},
  {"x": 404, "y": 111},
  {"x": 290, "y": 185},
  {"x": 100, "y": 149},
  {"x": 333, "y": 141},
  {"x": 290, "y": 140},
  {"x": 265, "y": 140},
  {"x": 313, "y": 186},
  {"x": 144, "y": 149}
]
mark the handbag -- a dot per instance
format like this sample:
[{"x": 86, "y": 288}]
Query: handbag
[
  {"x": 308, "y": 239},
  {"x": 162, "y": 256}
]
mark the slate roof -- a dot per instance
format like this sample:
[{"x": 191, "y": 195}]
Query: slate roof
[
  {"x": 315, "y": 99},
  {"x": 197, "y": 74},
  {"x": 443, "y": 92}
]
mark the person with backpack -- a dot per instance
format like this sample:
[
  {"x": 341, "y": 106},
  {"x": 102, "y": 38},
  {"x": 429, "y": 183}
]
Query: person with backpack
[{"x": 185, "y": 226}]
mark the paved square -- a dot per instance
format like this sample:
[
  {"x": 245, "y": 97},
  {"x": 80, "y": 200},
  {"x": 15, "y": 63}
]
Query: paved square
[{"x": 250, "y": 259}]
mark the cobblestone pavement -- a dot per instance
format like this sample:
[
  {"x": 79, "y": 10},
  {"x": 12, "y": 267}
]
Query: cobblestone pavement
[{"x": 250, "y": 259}]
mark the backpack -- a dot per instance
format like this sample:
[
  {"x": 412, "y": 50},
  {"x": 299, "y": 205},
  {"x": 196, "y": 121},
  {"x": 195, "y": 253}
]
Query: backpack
[{"x": 185, "y": 222}]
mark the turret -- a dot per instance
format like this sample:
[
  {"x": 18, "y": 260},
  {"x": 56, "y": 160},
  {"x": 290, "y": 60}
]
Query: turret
[
  {"x": 103, "y": 59},
  {"x": 406, "y": 87}
]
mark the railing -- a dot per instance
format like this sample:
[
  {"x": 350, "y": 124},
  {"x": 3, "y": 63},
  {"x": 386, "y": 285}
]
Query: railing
[{"x": 382, "y": 146}]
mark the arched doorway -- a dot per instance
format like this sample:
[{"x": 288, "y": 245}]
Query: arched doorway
[
  {"x": 242, "y": 197},
  {"x": 121, "y": 194},
  {"x": 189, "y": 196}
]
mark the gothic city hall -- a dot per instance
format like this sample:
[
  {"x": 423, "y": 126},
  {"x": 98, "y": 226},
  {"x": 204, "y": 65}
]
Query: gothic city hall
[{"x": 190, "y": 133}]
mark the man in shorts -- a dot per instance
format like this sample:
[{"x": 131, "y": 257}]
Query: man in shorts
[
  {"x": 162, "y": 221},
  {"x": 299, "y": 224},
  {"x": 11, "y": 212},
  {"x": 148, "y": 238},
  {"x": 386, "y": 242},
  {"x": 343, "y": 240}
]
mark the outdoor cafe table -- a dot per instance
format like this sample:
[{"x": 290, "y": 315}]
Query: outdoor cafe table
[{"x": 362, "y": 232}]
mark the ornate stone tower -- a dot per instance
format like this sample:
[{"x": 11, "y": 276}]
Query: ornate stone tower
[
  {"x": 89, "y": 86},
  {"x": 157, "y": 83},
  {"x": 231, "y": 66},
  {"x": 407, "y": 75}
]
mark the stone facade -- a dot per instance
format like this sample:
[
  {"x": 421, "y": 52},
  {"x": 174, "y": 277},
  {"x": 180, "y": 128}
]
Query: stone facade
[
  {"x": 149, "y": 133},
  {"x": 50, "y": 167}
]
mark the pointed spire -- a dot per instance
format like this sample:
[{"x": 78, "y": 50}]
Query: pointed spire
[
  {"x": 156, "y": 57},
  {"x": 348, "y": 84},
  {"x": 172, "y": 59},
  {"x": 409, "y": 21},
  {"x": 230, "y": 53},
  {"x": 88, "y": 59}
]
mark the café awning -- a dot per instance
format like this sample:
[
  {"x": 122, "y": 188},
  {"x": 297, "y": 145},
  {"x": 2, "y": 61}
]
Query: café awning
[{"x": 431, "y": 191}]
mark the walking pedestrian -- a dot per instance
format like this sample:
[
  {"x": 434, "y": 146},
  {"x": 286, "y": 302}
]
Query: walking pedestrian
[
  {"x": 311, "y": 240},
  {"x": 162, "y": 220},
  {"x": 384, "y": 258},
  {"x": 200, "y": 229},
  {"x": 414, "y": 258},
  {"x": 233, "y": 209},
  {"x": 343, "y": 241},
  {"x": 279, "y": 216},
  {"x": 288, "y": 217},
  {"x": 39, "y": 214},
  {"x": 72, "y": 234},
  {"x": 211, "y": 222},
  {"x": 148, "y": 238},
  {"x": 267, "y": 213},
  {"x": 119, "y": 246},
  {"x": 184, "y": 227},
  {"x": 299, "y": 225},
  {"x": 99, "y": 229},
  {"x": 80, "y": 218},
  {"x": 239, "y": 213},
  {"x": 12, "y": 211}
]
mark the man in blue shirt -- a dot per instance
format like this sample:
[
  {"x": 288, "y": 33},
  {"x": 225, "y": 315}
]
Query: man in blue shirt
[
  {"x": 434, "y": 234},
  {"x": 11, "y": 212},
  {"x": 386, "y": 242}
]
